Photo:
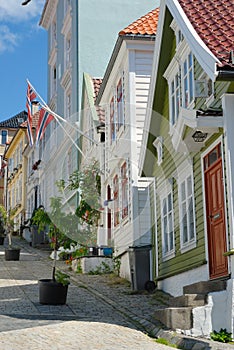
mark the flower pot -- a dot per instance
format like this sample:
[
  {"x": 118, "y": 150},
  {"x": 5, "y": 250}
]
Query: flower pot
[
  {"x": 2, "y": 240},
  {"x": 12, "y": 254},
  {"x": 52, "y": 292}
]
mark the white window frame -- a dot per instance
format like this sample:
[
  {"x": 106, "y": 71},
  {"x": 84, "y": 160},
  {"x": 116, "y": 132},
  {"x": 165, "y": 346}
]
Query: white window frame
[
  {"x": 68, "y": 103},
  {"x": 120, "y": 104},
  {"x": 174, "y": 69},
  {"x": 185, "y": 171},
  {"x": 166, "y": 190},
  {"x": 53, "y": 39},
  {"x": 187, "y": 79},
  {"x": 67, "y": 51}
]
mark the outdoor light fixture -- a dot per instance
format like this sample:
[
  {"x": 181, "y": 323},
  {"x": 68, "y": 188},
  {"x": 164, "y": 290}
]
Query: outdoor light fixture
[{"x": 199, "y": 136}]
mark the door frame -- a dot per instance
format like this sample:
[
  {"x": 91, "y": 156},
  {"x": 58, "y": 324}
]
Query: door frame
[{"x": 208, "y": 150}]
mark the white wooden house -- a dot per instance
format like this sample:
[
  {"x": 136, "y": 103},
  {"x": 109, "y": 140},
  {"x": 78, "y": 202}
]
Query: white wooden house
[{"x": 123, "y": 96}]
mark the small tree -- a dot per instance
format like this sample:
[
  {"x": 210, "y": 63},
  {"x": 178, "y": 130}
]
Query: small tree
[
  {"x": 57, "y": 223},
  {"x": 88, "y": 184},
  {"x": 6, "y": 224}
]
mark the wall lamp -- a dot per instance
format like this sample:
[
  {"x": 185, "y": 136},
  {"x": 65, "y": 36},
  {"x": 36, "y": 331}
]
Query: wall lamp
[{"x": 199, "y": 136}]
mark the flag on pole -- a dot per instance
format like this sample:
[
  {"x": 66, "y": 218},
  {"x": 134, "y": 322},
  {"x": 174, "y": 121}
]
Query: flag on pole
[
  {"x": 30, "y": 97},
  {"x": 44, "y": 119}
]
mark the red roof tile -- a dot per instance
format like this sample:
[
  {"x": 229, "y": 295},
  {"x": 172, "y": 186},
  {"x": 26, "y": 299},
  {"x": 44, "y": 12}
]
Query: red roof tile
[
  {"x": 146, "y": 25},
  {"x": 96, "y": 86},
  {"x": 213, "y": 20}
]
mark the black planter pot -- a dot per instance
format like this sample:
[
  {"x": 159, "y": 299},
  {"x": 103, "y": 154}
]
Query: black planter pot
[
  {"x": 52, "y": 293},
  {"x": 2, "y": 240},
  {"x": 12, "y": 253}
]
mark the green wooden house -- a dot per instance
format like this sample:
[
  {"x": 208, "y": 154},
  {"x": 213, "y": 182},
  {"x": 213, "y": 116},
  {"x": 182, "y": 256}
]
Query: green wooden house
[{"x": 188, "y": 147}]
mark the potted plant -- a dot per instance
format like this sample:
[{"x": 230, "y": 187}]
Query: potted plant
[
  {"x": 52, "y": 291},
  {"x": 6, "y": 229},
  {"x": 11, "y": 252}
]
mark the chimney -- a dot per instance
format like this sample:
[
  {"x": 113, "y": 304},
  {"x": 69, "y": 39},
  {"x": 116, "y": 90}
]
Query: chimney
[{"x": 35, "y": 107}]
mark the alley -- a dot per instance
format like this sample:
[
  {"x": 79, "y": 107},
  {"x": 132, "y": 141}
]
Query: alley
[
  {"x": 86, "y": 322},
  {"x": 99, "y": 313}
]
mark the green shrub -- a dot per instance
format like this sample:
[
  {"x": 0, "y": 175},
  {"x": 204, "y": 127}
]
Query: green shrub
[{"x": 222, "y": 336}]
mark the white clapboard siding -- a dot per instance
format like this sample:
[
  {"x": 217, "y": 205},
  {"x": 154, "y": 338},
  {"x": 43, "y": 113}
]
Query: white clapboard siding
[
  {"x": 143, "y": 67},
  {"x": 144, "y": 214}
]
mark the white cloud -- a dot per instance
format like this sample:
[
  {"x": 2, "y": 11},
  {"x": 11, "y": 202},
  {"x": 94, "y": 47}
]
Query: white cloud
[
  {"x": 13, "y": 11},
  {"x": 17, "y": 21},
  {"x": 8, "y": 39}
]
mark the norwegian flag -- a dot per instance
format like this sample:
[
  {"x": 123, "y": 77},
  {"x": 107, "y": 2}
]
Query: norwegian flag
[
  {"x": 31, "y": 95},
  {"x": 44, "y": 119}
]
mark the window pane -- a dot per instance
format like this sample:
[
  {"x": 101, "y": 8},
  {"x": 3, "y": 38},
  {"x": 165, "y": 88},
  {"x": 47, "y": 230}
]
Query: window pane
[
  {"x": 191, "y": 89},
  {"x": 213, "y": 156},
  {"x": 165, "y": 234},
  {"x": 183, "y": 195},
  {"x": 164, "y": 207},
  {"x": 191, "y": 220},
  {"x": 185, "y": 67},
  {"x": 172, "y": 87},
  {"x": 170, "y": 231},
  {"x": 184, "y": 224},
  {"x": 169, "y": 202},
  {"x": 189, "y": 185}
]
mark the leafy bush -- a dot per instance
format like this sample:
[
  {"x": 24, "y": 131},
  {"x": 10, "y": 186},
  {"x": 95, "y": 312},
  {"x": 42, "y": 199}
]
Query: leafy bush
[
  {"x": 222, "y": 336},
  {"x": 62, "y": 277}
]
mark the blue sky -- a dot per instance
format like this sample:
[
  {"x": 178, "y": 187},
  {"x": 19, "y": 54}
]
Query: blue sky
[{"x": 23, "y": 54}]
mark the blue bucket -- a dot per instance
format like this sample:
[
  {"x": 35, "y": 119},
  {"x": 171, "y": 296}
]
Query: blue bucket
[{"x": 108, "y": 251}]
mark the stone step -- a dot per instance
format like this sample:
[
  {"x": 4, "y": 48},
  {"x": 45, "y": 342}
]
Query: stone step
[
  {"x": 205, "y": 287},
  {"x": 175, "y": 318},
  {"x": 192, "y": 300}
]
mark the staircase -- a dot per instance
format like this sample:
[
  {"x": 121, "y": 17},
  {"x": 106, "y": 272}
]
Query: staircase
[{"x": 178, "y": 314}]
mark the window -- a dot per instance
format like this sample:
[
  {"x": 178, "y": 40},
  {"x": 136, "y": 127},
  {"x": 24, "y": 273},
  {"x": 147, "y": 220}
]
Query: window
[
  {"x": 67, "y": 4},
  {"x": 179, "y": 37},
  {"x": 175, "y": 98},
  {"x": 4, "y": 135},
  {"x": 124, "y": 190},
  {"x": 116, "y": 200},
  {"x": 167, "y": 225},
  {"x": 112, "y": 120},
  {"x": 188, "y": 81},
  {"x": 120, "y": 104},
  {"x": 68, "y": 105},
  {"x": 180, "y": 76},
  {"x": 53, "y": 34},
  {"x": 53, "y": 80},
  {"x": 68, "y": 52},
  {"x": 186, "y": 207}
]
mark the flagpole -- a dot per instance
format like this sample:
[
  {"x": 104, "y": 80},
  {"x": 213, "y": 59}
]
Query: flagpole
[
  {"x": 36, "y": 93},
  {"x": 74, "y": 127},
  {"x": 59, "y": 117},
  {"x": 78, "y": 148}
]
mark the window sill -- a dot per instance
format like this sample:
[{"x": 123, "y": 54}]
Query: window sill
[
  {"x": 188, "y": 246},
  {"x": 168, "y": 256}
]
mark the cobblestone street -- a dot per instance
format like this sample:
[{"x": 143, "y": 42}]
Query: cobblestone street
[{"x": 98, "y": 314}]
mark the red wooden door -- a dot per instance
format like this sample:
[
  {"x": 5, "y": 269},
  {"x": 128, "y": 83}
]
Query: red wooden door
[{"x": 215, "y": 210}]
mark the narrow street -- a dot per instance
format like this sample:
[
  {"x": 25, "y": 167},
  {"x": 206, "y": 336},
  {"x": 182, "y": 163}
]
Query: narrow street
[
  {"x": 86, "y": 322},
  {"x": 100, "y": 313}
]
